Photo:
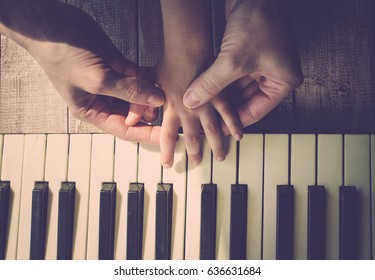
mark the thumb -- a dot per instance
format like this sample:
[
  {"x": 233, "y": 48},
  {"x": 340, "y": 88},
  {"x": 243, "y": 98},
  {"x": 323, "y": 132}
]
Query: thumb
[
  {"x": 210, "y": 83},
  {"x": 131, "y": 89}
]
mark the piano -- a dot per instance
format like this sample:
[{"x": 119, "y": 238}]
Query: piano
[{"x": 276, "y": 196}]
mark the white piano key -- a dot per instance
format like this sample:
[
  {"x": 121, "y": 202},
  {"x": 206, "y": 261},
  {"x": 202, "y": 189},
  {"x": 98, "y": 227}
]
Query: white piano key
[
  {"x": 329, "y": 174},
  {"x": 302, "y": 175},
  {"x": 197, "y": 175},
  {"x": 55, "y": 174},
  {"x": 251, "y": 173},
  {"x": 102, "y": 159},
  {"x": 1, "y": 148},
  {"x": 357, "y": 173},
  {"x": 275, "y": 173},
  {"x": 373, "y": 192},
  {"x": 11, "y": 170},
  {"x": 224, "y": 175},
  {"x": 33, "y": 170},
  {"x": 126, "y": 159},
  {"x": 79, "y": 172},
  {"x": 149, "y": 173},
  {"x": 177, "y": 176}
]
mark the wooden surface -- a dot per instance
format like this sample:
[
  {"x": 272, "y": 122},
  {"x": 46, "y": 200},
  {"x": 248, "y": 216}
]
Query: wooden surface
[{"x": 335, "y": 40}]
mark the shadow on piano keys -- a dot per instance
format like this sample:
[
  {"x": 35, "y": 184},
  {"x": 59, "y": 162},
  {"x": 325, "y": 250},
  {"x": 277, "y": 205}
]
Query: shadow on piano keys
[{"x": 276, "y": 196}]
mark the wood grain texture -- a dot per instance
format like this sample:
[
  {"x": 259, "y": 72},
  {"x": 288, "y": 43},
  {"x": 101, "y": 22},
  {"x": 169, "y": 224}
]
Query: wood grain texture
[
  {"x": 337, "y": 54},
  {"x": 28, "y": 101},
  {"x": 118, "y": 18},
  {"x": 335, "y": 40},
  {"x": 150, "y": 32}
]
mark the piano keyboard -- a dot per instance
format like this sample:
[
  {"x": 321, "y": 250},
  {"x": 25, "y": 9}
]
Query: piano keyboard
[{"x": 276, "y": 196}]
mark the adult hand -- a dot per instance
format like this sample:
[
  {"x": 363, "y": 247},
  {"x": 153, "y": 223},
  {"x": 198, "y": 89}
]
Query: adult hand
[
  {"x": 257, "y": 58},
  {"x": 89, "y": 72}
]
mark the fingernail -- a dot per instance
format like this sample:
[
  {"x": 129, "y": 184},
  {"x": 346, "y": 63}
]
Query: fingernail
[
  {"x": 156, "y": 99},
  {"x": 238, "y": 136},
  {"x": 191, "y": 100},
  {"x": 195, "y": 160},
  {"x": 220, "y": 158},
  {"x": 167, "y": 165}
]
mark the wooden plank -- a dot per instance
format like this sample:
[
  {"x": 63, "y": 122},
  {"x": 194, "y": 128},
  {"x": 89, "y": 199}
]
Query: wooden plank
[
  {"x": 29, "y": 103},
  {"x": 118, "y": 19},
  {"x": 150, "y": 32},
  {"x": 335, "y": 41},
  {"x": 337, "y": 54}
]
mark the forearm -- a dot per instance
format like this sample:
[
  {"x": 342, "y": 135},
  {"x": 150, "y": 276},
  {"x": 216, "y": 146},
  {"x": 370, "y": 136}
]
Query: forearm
[
  {"x": 186, "y": 28},
  {"x": 23, "y": 19}
]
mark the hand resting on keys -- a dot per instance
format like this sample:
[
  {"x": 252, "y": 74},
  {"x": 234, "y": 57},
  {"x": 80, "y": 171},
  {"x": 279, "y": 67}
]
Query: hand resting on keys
[
  {"x": 89, "y": 72},
  {"x": 187, "y": 52},
  {"x": 257, "y": 59}
]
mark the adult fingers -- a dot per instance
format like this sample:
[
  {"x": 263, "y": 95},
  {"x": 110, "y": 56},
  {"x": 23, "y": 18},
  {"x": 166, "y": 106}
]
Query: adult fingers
[
  {"x": 115, "y": 124},
  {"x": 210, "y": 83},
  {"x": 111, "y": 83},
  {"x": 135, "y": 114},
  {"x": 259, "y": 105},
  {"x": 233, "y": 125}
]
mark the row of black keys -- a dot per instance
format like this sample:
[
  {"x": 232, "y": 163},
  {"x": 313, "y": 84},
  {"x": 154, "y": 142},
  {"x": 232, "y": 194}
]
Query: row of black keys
[
  {"x": 107, "y": 214},
  {"x": 164, "y": 199}
]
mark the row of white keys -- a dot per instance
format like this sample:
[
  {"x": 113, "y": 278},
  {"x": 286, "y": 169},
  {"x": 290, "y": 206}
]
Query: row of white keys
[
  {"x": 11, "y": 170},
  {"x": 357, "y": 173},
  {"x": 79, "y": 173},
  {"x": 126, "y": 163},
  {"x": 102, "y": 161},
  {"x": 42, "y": 163},
  {"x": 33, "y": 170},
  {"x": 149, "y": 173},
  {"x": 55, "y": 174},
  {"x": 224, "y": 175},
  {"x": 251, "y": 174},
  {"x": 302, "y": 176},
  {"x": 177, "y": 176},
  {"x": 330, "y": 158},
  {"x": 197, "y": 175},
  {"x": 276, "y": 157},
  {"x": 1, "y": 150}
]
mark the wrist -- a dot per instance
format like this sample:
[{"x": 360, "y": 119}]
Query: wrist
[{"x": 193, "y": 50}]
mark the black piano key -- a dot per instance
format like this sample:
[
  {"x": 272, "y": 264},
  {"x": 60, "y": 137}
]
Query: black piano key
[
  {"x": 238, "y": 222},
  {"x": 66, "y": 221},
  {"x": 39, "y": 221},
  {"x": 163, "y": 226},
  {"x": 107, "y": 219},
  {"x": 285, "y": 222},
  {"x": 208, "y": 222},
  {"x": 316, "y": 224},
  {"x": 135, "y": 222},
  {"x": 4, "y": 213},
  {"x": 349, "y": 226}
]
